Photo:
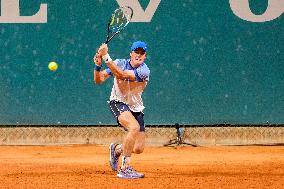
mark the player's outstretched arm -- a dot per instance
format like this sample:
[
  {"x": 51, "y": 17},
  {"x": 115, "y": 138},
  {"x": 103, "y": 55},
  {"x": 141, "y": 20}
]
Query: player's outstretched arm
[
  {"x": 99, "y": 76},
  {"x": 116, "y": 71}
]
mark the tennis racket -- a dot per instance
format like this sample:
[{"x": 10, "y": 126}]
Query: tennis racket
[{"x": 118, "y": 21}]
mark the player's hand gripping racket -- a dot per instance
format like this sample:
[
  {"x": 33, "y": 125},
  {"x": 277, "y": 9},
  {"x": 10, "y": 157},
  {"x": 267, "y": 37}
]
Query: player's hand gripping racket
[{"x": 118, "y": 21}]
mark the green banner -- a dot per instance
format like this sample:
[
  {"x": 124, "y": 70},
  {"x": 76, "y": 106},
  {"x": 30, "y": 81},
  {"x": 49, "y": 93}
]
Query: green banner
[{"x": 211, "y": 62}]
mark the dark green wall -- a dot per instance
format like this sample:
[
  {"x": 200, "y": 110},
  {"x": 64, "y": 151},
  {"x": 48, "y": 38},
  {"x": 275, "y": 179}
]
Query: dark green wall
[{"x": 207, "y": 65}]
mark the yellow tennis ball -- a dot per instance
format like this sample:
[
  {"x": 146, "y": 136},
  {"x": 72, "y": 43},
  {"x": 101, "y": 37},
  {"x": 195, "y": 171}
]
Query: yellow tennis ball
[{"x": 52, "y": 66}]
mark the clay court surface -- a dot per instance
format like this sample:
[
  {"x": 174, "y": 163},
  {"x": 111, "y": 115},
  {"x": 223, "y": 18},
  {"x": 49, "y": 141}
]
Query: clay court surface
[{"x": 86, "y": 166}]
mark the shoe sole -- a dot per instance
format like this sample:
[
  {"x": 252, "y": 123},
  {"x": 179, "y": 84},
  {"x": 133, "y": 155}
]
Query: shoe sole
[
  {"x": 110, "y": 157},
  {"x": 123, "y": 177}
]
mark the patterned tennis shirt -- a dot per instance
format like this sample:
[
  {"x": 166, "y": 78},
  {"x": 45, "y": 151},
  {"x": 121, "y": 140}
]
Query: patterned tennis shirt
[{"x": 130, "y": 92}]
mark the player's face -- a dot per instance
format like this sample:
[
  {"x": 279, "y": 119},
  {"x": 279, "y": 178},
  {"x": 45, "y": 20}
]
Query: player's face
[{"x": 137, "y": 57}]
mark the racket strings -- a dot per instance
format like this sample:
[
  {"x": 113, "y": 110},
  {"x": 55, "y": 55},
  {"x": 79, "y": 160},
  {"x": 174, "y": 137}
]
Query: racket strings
[
  {"x": 118, "y": 21},
  {"x": 120, "y": 18}
]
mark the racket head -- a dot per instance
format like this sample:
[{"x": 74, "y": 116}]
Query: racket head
[{"x": 118, "y": 21}]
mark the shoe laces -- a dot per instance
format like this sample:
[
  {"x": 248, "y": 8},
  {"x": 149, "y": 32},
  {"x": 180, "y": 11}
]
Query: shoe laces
[{"x": 130, "y": 169}]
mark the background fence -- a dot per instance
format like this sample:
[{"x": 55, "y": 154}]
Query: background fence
[{"x": 156, "y": 135}]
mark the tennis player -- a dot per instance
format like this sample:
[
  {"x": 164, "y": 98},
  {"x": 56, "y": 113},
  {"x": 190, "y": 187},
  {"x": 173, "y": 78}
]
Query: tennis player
[{"x": 130, "y": 79}]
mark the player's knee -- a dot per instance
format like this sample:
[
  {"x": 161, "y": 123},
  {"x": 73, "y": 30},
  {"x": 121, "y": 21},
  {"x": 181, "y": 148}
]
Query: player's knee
[
  {"x": 129, "y": 123},
  {"x": 138, "y": 150},
  {"x": 134, "y": 128}
]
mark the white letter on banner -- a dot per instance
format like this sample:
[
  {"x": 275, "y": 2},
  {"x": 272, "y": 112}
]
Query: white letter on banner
[
  {"x": 139, "y": 14},
  {"x": 10, "y": 13},
  {"x": 241, "y": 9}
]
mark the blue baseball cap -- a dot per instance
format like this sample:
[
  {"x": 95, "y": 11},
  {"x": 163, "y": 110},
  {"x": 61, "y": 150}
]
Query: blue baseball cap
[{"x": 139, "y": 44}]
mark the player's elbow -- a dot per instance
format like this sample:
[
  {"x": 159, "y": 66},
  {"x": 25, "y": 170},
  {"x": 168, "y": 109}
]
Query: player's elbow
[{"x": 98, "y": 82}]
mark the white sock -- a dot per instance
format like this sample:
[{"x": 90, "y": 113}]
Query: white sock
[{"x": 125, "y": 162}]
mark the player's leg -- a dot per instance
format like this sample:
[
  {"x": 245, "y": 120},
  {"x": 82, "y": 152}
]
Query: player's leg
[
  {"x": 125, "y": 118},
  {"x": 115, "y": 149},
  {"x": 128, "y": 121},
  {"x": 138, "y": 146},
  {"x": 140, "y": 138},
  {"x": 139, "y": 143}
]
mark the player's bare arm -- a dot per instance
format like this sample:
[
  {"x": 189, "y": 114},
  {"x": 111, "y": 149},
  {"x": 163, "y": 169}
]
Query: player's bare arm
[
  {"x": 99, "y": 76},
  {"x": 116, "y": 71},
  {"x": 119, "y": 73}
]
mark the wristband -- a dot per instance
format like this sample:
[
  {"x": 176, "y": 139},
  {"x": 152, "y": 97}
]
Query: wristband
[
  {"x": 97, "y": 68},
  {"x": 107, "y": 58}
]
